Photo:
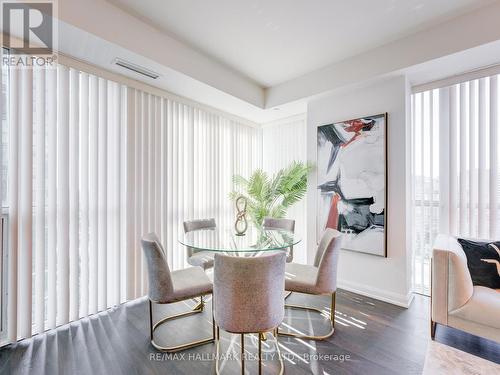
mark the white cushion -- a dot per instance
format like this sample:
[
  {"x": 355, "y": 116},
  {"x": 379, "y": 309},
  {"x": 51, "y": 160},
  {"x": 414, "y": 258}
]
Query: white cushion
[
  {"x": 483, "y": 308},
  {"x": 301, "y": 278},
  {"x": 190, "y": 282},
  {"x": 203, "y": 259}
]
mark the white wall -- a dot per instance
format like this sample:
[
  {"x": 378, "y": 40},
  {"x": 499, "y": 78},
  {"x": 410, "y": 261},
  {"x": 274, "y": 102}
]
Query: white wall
[
  {"x": 388, "y": 278},
  {"x": 282, "y": 143}
]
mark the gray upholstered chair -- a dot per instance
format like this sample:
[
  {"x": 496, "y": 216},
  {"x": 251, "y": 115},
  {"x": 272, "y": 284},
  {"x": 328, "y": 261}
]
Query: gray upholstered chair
[
  {"x": 169, "y": 287},
  {"x": 286, "y": 224},
  {"x": 199, "y": 258},
  {"x": 248, "y": 297},
  {"x": 318, "y": 279}
]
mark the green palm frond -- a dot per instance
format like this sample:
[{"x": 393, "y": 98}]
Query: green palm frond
[{"x": 272, "y": 196}]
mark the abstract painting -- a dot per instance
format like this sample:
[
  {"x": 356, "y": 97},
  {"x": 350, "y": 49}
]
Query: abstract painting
[{"x": 352, "y": 182}]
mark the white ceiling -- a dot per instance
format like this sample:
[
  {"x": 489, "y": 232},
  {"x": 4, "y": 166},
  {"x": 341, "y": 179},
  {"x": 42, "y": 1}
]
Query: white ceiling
[{"x": 275, "y": 41}]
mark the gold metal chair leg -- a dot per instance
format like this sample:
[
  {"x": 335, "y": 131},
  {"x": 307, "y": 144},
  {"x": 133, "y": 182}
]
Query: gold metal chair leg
[
  {"x": 200, "y": 306},
  {"x": 313, "y": 337},
  {"x": 260, "y": 356},
  {"x": 217, "y": 349},
  {"x": 176, "y": 348},
  {"x": 282, "y": 366},
  {"x": 242, "y": 354}
]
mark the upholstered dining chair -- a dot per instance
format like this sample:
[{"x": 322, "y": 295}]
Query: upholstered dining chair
[
  {"x": 286, "y": 224},
  {"x": 318, "y": 279},
  {"x": 169, "y": 287},
  {"x": 248, "y": 298},
  {"x": 199, "y": 258}
]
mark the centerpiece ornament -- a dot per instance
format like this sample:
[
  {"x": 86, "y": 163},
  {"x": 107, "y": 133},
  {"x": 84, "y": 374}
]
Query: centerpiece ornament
[{"x": 241, "y": 224}]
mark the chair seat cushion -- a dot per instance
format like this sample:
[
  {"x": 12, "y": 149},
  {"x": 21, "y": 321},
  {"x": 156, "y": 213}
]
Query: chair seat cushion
[
  {"x": 482, "y": 308},
  {"x": 203, "y": 259},
  {"x": 190, "y": 282},
  {"x": 301, "y": 278}
]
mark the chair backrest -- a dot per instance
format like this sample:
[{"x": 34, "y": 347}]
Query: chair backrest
[
  {"x": 327, "y": 259},
  {"x": 249, "y": 292},
  {"x": 192, "y": 225},
  {"x": 274, "y": 223},
  {"x": 160, "y": 281},
  {"x": 286, "y": 224}
]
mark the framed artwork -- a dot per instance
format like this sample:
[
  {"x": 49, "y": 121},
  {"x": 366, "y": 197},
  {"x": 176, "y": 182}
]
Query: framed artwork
[{"x": 352, "y": 182}]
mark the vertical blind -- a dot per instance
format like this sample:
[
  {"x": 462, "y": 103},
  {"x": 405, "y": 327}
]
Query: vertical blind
[
  {"x": 92, "y": 165},
  {"x": 283, "y": 142},
  {"x": 455, "y": 167}
]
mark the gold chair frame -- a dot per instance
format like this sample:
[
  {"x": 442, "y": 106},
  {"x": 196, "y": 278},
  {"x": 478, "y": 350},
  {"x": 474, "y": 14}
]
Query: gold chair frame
[
  {"x": 261, "y": 337},
  {"x": 307, "y": 308},
  {"x": 199, "y": 308}
]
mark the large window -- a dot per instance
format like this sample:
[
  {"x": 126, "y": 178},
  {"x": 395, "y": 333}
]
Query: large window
[
  {"x": 91, "y": 165},
  {"x": 455, "y": 167}
]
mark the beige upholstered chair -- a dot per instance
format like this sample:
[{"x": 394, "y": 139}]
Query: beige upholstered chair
[
  {"x": 455, "y": 301},
  {"x": 169, "y": 287},
  {"x": 248, "y": 297},
  {"x": 286, "y": 224},
  {"x": 319, "y": 279},
  {"x": 199, "y": 258}
]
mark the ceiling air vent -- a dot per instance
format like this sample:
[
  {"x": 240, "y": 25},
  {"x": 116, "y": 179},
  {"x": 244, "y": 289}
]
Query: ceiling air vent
[{"x": 136, "y": 68}]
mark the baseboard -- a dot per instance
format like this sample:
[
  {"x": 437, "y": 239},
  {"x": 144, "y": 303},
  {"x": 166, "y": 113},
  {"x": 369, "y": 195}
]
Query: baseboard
[{"x": 379, "y": 294}]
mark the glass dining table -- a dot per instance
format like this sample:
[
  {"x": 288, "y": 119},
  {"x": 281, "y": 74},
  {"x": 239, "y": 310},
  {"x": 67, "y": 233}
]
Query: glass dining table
[{"x": 256, "y": 241}]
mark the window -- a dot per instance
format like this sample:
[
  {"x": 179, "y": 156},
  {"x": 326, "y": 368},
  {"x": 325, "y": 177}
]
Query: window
[
  {"x": 93, "y": 165},
  {"x": 455, "y": 167}
]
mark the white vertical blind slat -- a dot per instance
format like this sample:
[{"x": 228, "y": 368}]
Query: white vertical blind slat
[
  {"x": 25, "y": 203},
  {"x": 175, "y": 182},
  {"x": 102, "y": 199},
  {"x": 454, "y": 173},
  {"x": 130, "y": 207},
  {"x": 432, "y": 230},
  {"x": 463, "y": 221},
  {"x": 113, "y": 196},
  {"x": 473, "y": 178},
  {"x": 94, "y": 282},
  {"x": 39, "y": 128},
  {"x": 51, "y": 83},
  {"x": 170, "y": 170},
  {"x": 138, "y": 192},
  {"x": 125, "y": 256},
  {"x": 63, "y": 213},
  {"x": 494, "y": 233},
  {"x": 145, "y": 206},
  {"x": 483, "y": 228},
  {"x": 157, "y": 166},
  {"x": 444, "y": 159},
  {"x": 13, "y": 197},
  {"x": 74, "y": 208},
  {"x": 84, "y": 193},
  {"x": 163, "y": 172}
]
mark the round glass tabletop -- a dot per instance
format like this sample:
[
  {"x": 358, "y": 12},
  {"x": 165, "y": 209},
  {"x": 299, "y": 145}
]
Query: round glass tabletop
[{"x": 226, "y": 240}]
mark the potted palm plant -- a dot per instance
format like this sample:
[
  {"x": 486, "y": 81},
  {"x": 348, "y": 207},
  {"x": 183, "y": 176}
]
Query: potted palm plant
[{"x": 271, "y": 195}]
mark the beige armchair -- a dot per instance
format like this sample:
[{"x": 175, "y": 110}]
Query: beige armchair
[{"x": 455, "y": 301}]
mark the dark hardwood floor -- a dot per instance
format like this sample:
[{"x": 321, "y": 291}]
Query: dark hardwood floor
[{"x": 371, "y": 337}]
